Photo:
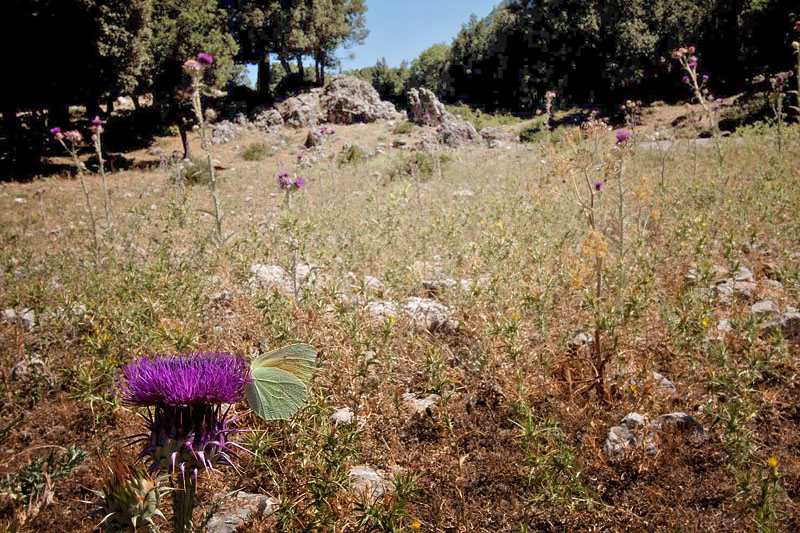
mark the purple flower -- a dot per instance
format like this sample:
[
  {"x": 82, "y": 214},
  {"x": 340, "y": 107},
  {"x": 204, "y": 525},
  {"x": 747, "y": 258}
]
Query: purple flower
[
  {"x": 686, "y": 79},
  {"x": 97, "y": 125},
  {"x": 693, "y": 64},
  {"x": 623, "y": 136},
  {"x": 56, "y": 133},
  {"x": 187, "y": 429},
  {"x": 97, "y": 122},
  {"x": 705, "y": 77},
  {"x": 426, "y": 117},
  {"x": 284, "y": 180},
  {"x": 205, "y": 58},
  {"x": 192, "y": 68},
  {"x": 299, "y": 156},
  {"x": 182, "y": 380},
  {"x": 73, "y": 136},
  {"x": 299, "y": 182},
  {"x": 598, "y": 185}
]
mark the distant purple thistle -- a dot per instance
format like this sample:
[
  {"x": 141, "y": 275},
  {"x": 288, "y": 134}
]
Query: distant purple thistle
[
  {"x": 686, "y": 79},
  {"x": 693, "y": 64},
  {"x": 299, "y": 182},
  {"x": 56, "y": 132},
  {"x": 299, "y": 156},
  {"x": 705, "y": 77},
  {"x": 97, "y": 122},
  {"x": 182, "y": 380},
  {"x": 73, "y": 136},
  {"x": 598, "y": 185},
  {"x": 284, "y": 180},
  {"x": 426, "y": 117},
  {"x": 205, "y": 58},
  {"x": 623, "y": 136}
]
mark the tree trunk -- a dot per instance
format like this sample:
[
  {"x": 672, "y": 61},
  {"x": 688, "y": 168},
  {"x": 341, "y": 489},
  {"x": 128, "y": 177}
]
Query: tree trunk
[
  {"x": 137, "y": 107},
  {"x": 322, "y": 73},
  {"x": 109, "y": 105},
  {"x": 264, "y": 79},
  {"x": 184, "y": 139},
  {"x": 300, "y": 68}
]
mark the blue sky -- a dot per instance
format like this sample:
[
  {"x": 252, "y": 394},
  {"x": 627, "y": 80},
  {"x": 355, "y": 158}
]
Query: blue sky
[{"x": 401, "y": 29}]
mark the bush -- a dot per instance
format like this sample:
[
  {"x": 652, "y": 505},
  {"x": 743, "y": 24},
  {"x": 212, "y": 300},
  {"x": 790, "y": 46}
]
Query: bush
[
  {"x": 194, "y": 171},
  {"x": 255, "y": 152},
  {"x": 418, "y": 163},
  {"x": 402, "y": 128},
  {"x": 481, "y": 120},
  {"x": 535, "y": 132},
  {"x": 353, "y": 153}
]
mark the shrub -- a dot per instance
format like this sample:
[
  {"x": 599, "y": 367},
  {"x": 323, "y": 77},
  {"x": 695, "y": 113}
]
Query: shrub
[
  {"x": 256, "y": 152},
  {"x": 535, "y": 132},
  {"x": 481, "y": 120},
  {"x": 402, "y": 128},
  {"x": 419, "y": 163}
]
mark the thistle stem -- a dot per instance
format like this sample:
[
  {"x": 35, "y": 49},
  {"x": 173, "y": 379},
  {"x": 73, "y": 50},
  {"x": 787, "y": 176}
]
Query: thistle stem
[
  {"x": 99, "y": 149},
  {"x": 92, "y": 217},
  {"x": 183, "y": 504}
]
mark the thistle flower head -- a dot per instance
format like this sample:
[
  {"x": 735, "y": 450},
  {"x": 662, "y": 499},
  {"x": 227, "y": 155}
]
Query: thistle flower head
[
  {"x": 299, "y": 182},
  {"x": 182, "y": 380},
  {"x": 285, "y": 179},
  {"x": 56, "y": 133},
  {"x": 97, "y": 126},
  {"x": 598, "y": 185},
  {"x": 73, "y": 136},
  {"x": 623, "y": 136},
  {"x": 193, "y": 68},
  {"x": 205, "y": 59},
  {"x": 187, "y": 429}
]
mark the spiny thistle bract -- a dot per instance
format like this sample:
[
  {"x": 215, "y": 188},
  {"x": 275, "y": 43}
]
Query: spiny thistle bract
[
  {"x": 187, "y": 428},
  {"x": 129, "y": 499}
]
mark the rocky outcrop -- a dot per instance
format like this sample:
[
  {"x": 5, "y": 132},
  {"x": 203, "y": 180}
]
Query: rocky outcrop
[
  {"x": 303, "y": 110},
  {"x": 348, "y": 100},
  {"x": 423, "y": 106}
]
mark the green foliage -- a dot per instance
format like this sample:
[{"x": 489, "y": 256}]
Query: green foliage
[
  {"x": 481, "y": 120},
  {"x": 26, "y": 484},
  {"x": 428, "y": 67},
  {"x": 402, "y": 128},
  {"x": 536, "y": 132},
  {"x": 387, "y": 513},
  {"x": 419, "y": 164},
  {"x": 256, "y": 151}
]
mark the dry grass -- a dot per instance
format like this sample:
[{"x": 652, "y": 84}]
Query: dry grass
[{"x": 515, "y": 444}]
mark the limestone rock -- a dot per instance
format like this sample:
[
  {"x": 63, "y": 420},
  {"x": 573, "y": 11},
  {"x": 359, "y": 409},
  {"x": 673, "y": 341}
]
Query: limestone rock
[
  {"x": 343, "y": 416},
  {"x": 429, "y": 314},
  {"x": 234, "y": 510},
  {"x": 382, "y": 310},
  {"x": 788, "y": 324},
  {"x": 348, "y": 100},
  {"x": 303, "y": 110},
  {"x": 367, "y": 481},
  {"x": 420, "y": 405},
  {"x": 26, "y": 317},
  {"x": 268, "y": 119},
  {"x": 31, "y": 370},
  {"x": 765, "y": 308},
  {"x": 423, "y": 106}
]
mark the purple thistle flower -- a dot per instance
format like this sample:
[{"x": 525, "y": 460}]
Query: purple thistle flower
[
  {"x": 97, "y": 122},
  {"x": 284, "y": 180},
  {"x": 187, "y": 429},
  {"x": 299, "y": 182},
  {"x": 623, "y": 136},
  {"x": 686, "y": 79},
  {"x": 56, "y": 133},
  {"x": 299, "y": 156},
  {"x": 73, "y": 136},
  {"x": 182, "y": 380},
  {"x": 598, "y": 185},
  {"x": 205, "y": 58},
  {"x": 693, "y": 64}
]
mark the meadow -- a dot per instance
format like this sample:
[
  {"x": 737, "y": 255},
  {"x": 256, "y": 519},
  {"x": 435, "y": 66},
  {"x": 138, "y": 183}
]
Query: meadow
[{"x": 488, "y": 317}]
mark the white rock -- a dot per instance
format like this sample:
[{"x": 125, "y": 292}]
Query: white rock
[
  {"x": 367, "y": 481},
  {"x": 343, "y": 416},
  {"x": 429, "y": 314},
  {"x": 765, "y": 307},
  {"x": 420, "y": 405},
  {"x": 233, "y": 511}
]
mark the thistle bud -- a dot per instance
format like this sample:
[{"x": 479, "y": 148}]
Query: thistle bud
[{"x": 129, "y": 499}]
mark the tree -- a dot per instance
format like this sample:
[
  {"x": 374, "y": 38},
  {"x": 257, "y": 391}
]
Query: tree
[
  {"x": 330, "y": 24},
  {"x": 181, "y": 30},
  {"x": 427, "y": 69}
]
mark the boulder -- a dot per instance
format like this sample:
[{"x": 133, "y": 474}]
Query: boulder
[
  {"x": 303, "y": 110},
  {"x": 268, "y": 119},
  {"x": 234, "y": 510},
  {"x": 348, "y": 100},
  {"x": 423, "y": 106}
]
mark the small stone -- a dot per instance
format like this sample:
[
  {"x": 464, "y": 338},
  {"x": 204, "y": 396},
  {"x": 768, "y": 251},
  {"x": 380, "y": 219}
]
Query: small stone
[
  {"x": 430, "y": 314},
  {"x": 580, "y": 338},
  {"x": 373, "y": 284},
  {"x": 463, "y": 193},
  {"x": 663, "y": 383},
  {"x": 234, "y": 510},
  {"x": 367, "y": 481},
  {"x": 20, "y": 201},
  {"x": 743, "y": 274},
  {"x": 31, "y": 370},
  {"x": 436, "y": 286},
  {"x": 684, "y": 422},
  {"x": 725, "y": 326},
  {"x": 765, "y": 307},
  {"x": 633, "y": 421},
  {"x": 788, "y": 325},
  {"x": 382, "y": 310},
  {"x": 420, "y": 405},
  {"x": 773, "y": 284},
  {"x": 221, "y": 297},
  {"x": 343, "y": 416},
  {"x": 26, "y": 317}
]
